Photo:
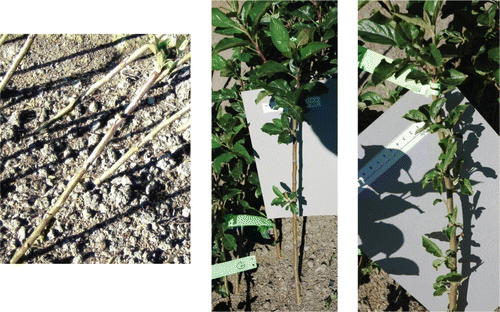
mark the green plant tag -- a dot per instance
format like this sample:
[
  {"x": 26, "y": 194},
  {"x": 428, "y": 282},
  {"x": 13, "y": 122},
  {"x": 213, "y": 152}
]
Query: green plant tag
[
  {"x": 233, "y": 266},
  {"x": 368, "y": 61},
  {"x": 248, "y": 220}
]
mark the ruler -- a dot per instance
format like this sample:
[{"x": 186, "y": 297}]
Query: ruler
[{"x": 396, "y": 149}]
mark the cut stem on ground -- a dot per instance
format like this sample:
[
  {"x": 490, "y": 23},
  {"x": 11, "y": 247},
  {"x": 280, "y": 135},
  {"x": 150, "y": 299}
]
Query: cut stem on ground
[{"x": 16, "y": 62}]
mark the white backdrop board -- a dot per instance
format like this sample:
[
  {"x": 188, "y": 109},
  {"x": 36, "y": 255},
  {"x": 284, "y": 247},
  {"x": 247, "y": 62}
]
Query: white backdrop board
[
  {"x": 394, "y": 211},
  {"x": 317, "y": 182}
]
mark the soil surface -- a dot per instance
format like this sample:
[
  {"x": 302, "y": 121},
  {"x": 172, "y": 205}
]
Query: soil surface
[
  {"x": 141, "y": 214},
  {"x": 271, "y": 287}
]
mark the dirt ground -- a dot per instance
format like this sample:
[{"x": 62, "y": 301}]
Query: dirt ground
[
  {"x": 141, "y": 214},
  {"x": 271, "y": 286}
]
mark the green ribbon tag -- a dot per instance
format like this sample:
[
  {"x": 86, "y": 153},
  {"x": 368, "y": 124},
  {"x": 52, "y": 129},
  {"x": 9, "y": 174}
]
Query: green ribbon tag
[
  {"x": 233, "y": 266},
  {"x": 368, "y": 60},
  {"x": 248, "y": 220}
]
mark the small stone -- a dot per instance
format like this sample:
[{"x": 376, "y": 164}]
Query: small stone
[
  {"x": 186, "y": 212},
  {"x": 21, "y": 233},
  {"x": 93, "y": 107},
  {"x": 122, "y": 180},
  {"x": 78, "y": 259},
  {"x": 310, "y": 263},
  {"x": 15, "y": 119},
  {"x": 162, "y": 164}
]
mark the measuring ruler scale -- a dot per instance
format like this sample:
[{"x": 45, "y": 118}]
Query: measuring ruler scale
[
  {"x": 394, "y": 212},
  {"x": 393, "y": 152}
]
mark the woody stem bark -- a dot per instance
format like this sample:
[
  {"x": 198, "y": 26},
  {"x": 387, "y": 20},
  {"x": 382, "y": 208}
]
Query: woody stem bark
[{"x": 448, "y": 183}]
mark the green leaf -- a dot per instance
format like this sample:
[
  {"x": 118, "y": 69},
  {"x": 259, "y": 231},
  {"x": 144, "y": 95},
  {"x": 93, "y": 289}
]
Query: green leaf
[
  {"x": 488, "y": 17},
  {"x": 437, "y": 263},
  {"x": 432, "y": 8},
  {"x": 284, "y": 137},
  {"x": 216, "y": 143},
  {"x": 497, "y": 76},
  {"x": 330, "y": 18},
  {"x": 220, "y": 160},
  {"x": 304, "y": 36},
  {"x": 436, "y": 55},
  {"x": 270, "y": 68},
  {"x": 293, "y": 208},
  {"x": 228, "y": 43},
  {"x": 383, "y": 71},
  {"x": 450, "y": 155},
  {"x": 429, "y": 177},
  {"x": 311, "y": 49},
  {"x": 453, "y": 77},
  {"x": 440, "y": 289},
  {"x": 465, "y": 187},
  {"x": 415, "y": 20},
  {"x": 458, "y": 167},
  {"x": 371, "y": 31},
  {"x": 271, "y": 128},
  {"x": 431, "y": 247},
  {"x": 229, "y": 242},
  {"x": 437, "y": 201},
  {"x": 240, "y": 149},
  {"x": 219, "y": 19},
  {"x": 224, "y": 94},
  {"x": 259, "y": 9},
  {"x": 450, "y": 277},
  {"x": 279, "y": 36},
  {"x": 371, "y": 96},
  {"x": 494, "y": 54},
  {"x": 436, "y": 106},
  {"x": 455, "y": 114},
  {"x": 415, "y": 116},
  {"x": 278, "y": 193},
  {"x": 452, "y": 217},
  {"x": 218, "y": 62},
  {"x": 237, "y": 170},
  {"x": 262, "y": 94},
  {"x": 449, "y": 231}
]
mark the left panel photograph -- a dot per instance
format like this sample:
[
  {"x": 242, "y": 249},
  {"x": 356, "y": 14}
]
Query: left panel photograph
[{"x": 95, "y": 162}]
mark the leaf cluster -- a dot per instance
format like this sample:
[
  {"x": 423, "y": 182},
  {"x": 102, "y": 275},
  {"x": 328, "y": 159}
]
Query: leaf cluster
[
  {"x": 285, "y": 200},
  {"x": 431, "y": 56},
  {"x": 449, "y": 166},
  {"x": 442, "y": 283}
]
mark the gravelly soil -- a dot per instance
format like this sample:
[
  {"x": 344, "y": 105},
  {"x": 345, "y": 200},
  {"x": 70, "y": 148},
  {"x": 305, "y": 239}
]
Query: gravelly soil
[
  {"x": 142, "y": 213},
  {"x": 271, "y": 286}
]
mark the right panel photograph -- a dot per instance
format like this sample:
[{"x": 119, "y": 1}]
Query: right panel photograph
[{"x": 428, "y": 156}]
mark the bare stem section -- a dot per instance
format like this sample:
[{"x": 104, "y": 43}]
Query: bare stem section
[
  {"x": 134, "y": 149},
  {"x": 295, "y": 217},
  {"x": 3, "y": 39},
  {"x": 17, "y": 60},
  {"x": 114, "y": 125},
  {"x": 63, "y": 112}
]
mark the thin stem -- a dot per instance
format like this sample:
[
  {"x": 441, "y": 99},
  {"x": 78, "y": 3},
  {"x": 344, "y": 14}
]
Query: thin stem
[
  {"x": 453, "y": 295},
  {"x": 17, "y": 60},
  {"x": 3, "y": 39},
  {"x": 124, "y": 63},
  {"x": 114, "y": 125},
  {"x": 294, "y": 216},
  {"x": 134, "y": 149}
]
